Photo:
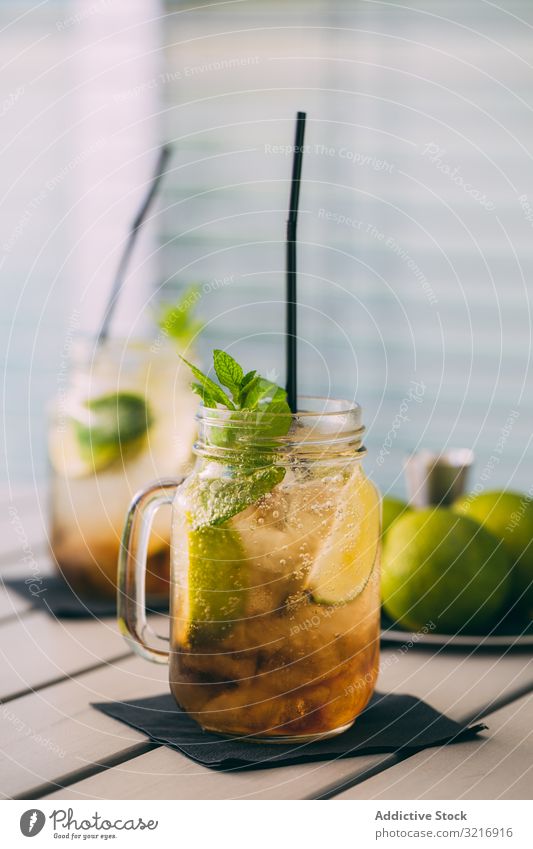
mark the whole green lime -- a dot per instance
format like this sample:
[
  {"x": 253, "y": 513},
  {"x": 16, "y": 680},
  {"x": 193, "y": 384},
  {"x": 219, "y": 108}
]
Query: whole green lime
[
  {"x": 508, "y": 515},
  {"x": 443, "y": 568},
  {"x": 392, "y": 509}
]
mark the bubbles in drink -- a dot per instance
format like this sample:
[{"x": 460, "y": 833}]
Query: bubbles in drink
[{"x": 300, "y": 657}]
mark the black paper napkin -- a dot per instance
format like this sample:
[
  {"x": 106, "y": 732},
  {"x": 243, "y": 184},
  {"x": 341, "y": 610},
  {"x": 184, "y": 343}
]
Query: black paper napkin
[
  {"x": 55, "y": 597},
  {"x": 389, "y": 723}
]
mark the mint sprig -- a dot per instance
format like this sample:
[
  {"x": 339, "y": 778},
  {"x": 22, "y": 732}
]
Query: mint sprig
[
  {"x": 208, "y": 388},
  {"x": 215, "y": 501},
  {"x": 229, "y": 372},
  {"x": 249, "y": 392},
  {"x": 262, "y": 411},
  {"x": 178, "y": 321}
]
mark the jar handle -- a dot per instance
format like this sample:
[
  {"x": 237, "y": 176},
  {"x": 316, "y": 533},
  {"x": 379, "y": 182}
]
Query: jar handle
[{"x": 131, "y": 600}]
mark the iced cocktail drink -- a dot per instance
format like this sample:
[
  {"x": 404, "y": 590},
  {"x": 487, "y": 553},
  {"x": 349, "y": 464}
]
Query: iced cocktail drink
[
  {"x": 126, "y": 416},
  {"x": 276, "y": 610},
  {"x": 274, "y": 571}
]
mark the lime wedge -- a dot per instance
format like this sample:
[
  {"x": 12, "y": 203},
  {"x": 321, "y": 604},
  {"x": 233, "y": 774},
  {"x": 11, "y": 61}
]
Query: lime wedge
[
  {"x": 216, "y": 586},
  {"x": 345, "y": 561},
  {"x": 111, "y": 426}
]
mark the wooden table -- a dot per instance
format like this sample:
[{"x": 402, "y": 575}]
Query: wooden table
[{"x": 55, "y": 745}]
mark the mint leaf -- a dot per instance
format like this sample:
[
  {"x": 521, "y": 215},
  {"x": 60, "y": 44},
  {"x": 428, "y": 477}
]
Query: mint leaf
[
  {"x": 270, "y": 401},
  {"x": 260, "y": 411},
  {"x": 248, "y": 389},
  {"x": 215, "y": 501},
  {"x": 252, "y": 393},
  {"x": 213, "y": 389},
  {"x": 177, "y": 320},
  {"x": 207, "y": 399},
  {"x": 262, "y": 394},
  {"x": 228, "y": 372},
  {"x": 247, "y": 379}
]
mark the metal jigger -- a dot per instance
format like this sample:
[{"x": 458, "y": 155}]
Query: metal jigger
[{"x": 437, "y": 479}]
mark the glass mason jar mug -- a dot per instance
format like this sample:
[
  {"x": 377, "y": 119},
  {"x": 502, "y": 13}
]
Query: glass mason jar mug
[
  {"x": 274, "y": 574},
  {"x": 112, "y": 428}
]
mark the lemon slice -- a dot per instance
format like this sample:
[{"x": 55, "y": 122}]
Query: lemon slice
[
  {"x": 215, "y": 583},
  {"x": 345, "y": 561}
]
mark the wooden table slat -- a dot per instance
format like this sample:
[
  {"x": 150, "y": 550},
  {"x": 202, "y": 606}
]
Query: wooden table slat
[
  {"x": 55, "y": 732},
  {"x": 52, "y": 670},
  {"x": 12, "y": 605},
  {"x": 500, "y": 766},
  {"x": 37, "y": 650},
  {"x": 166, "y": 774},
  {"x": 23, "y": 530}
]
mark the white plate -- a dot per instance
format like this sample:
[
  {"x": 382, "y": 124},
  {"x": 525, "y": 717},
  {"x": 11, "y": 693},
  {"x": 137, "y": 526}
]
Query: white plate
[{"x": 392, "y": 633}]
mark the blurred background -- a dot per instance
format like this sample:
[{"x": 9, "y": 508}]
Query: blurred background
[{"x": 416, "y": 221}]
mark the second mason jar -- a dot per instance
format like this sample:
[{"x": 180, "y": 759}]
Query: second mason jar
[
  {"x": 274, "y": 574},
  {"x": 124, "y": 415}
]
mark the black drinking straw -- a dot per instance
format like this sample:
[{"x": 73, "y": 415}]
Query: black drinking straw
[
  {"x": 292, "y": 222},
  {"x": 138, "y": 221}
]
